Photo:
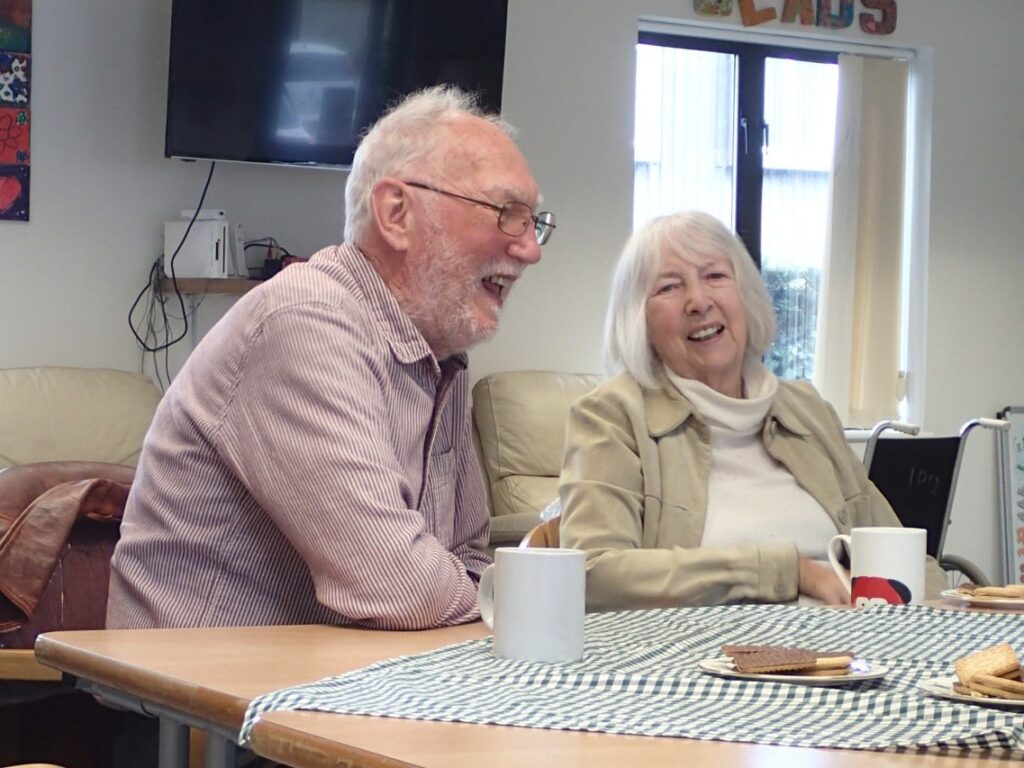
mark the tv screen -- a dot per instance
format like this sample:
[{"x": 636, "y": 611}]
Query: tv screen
[{"x": 297, "y": 81}]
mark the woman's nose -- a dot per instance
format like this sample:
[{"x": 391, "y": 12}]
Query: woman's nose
[{"x": 698, "y": 301}]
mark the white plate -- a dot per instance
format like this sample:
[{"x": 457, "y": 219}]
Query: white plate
[
  {"x": 943, "y": 688},
  {"x": 862, "y": 670},
  {"x": 985, "y": 602}
]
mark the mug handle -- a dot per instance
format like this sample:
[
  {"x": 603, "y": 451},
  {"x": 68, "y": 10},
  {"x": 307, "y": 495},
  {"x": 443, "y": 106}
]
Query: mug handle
[
  {"x": 833, "y": 558},
  {"x": 485, "y": 596}
]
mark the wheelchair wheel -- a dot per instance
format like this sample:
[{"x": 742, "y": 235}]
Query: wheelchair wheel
[{"x": 960, "y": 571}]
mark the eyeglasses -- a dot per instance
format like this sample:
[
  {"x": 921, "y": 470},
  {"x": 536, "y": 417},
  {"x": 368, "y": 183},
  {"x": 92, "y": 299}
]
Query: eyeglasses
[{"x": 514, "y": 218}]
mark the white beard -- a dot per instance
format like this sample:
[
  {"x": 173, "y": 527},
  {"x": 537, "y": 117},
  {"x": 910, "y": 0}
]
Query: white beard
[{"x": 442, "y": 302}]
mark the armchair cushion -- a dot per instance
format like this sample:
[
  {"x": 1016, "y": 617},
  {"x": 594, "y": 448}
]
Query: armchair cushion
[{"x": 520, "y": 419}]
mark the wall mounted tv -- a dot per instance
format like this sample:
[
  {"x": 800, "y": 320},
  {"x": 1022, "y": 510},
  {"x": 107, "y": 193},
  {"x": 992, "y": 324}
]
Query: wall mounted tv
[{"x": 297, "y": 81}]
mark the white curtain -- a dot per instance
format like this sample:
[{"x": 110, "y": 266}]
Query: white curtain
[{"x": 858, "y": 351}]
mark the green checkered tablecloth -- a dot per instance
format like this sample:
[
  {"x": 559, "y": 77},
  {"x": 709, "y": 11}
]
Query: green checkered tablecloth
[{"x": 639, "y": 675}]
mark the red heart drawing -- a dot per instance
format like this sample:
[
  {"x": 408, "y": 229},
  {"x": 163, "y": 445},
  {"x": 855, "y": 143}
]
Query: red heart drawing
[{"x": 10, "y": 191}]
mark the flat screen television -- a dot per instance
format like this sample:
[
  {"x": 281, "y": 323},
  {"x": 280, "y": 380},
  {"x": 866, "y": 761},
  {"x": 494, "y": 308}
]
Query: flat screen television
[{"x": 298, "y": 81}]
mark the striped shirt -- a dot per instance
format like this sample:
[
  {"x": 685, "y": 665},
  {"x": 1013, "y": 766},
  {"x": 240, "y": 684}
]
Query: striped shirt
[{"x": 311, "y": 463}]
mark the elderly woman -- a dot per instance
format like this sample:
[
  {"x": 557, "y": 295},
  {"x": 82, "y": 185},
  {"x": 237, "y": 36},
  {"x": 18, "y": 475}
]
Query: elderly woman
[{"x": 695, "y": 477}]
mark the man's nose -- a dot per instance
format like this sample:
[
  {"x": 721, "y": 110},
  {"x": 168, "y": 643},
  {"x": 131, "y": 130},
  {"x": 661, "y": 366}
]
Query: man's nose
[{"x": 525, "y": 248}]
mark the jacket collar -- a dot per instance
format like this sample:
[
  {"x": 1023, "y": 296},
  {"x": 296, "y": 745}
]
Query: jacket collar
[
  {"x": 665, "y": 406},
  {"x": 783, "y": 412}
]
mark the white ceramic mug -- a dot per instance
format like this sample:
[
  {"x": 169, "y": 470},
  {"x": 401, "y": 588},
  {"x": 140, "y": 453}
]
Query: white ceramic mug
[
  {"x": 534, "y": 600},
  {"x": 886, "y": 565}
]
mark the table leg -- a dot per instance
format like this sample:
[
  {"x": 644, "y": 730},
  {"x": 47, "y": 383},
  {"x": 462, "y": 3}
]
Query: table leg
[
  {"x": 220, "y": 752},
  {"x": 173, "y": 744},
  {"x": 174, "y": 728}
]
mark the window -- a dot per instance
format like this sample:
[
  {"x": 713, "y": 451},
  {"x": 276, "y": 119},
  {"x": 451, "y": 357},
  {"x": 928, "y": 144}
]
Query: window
[
  {"x": 745, "y": 132},
  {"x": 818, "y": 159},
  {"x": 842, "y": 217}
]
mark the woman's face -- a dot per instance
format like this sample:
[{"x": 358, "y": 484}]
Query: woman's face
[{"x": 696, "y": 323}]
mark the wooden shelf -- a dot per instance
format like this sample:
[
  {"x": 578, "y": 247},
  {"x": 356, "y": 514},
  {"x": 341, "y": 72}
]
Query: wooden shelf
[{"x": 228, "y": 286}]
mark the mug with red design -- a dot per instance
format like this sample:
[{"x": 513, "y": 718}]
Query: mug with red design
[{"x": 886, "y": 565}]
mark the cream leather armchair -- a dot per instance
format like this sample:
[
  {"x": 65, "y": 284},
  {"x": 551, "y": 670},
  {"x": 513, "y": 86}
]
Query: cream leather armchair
[
  {"x": 519, "y": 419},
  {"x": 56, "y": 425},
  {"x": 79, "y": 414}
]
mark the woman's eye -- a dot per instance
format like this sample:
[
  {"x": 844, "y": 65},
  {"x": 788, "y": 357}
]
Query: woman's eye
[{"x": 666, "y": 288}]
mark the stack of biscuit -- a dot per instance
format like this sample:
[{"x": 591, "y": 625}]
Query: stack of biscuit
[
  {"x": 1010, "y": 590},
  {"x": 990, "y": 673},
  {"x": 777, "y": 659}
]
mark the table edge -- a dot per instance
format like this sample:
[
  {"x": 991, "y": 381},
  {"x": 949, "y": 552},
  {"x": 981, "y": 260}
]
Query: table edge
[
  {"x": 216, "y": 707},
  {"x": 279, "y": 742}
]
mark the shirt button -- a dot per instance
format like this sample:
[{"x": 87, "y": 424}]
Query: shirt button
[{"x": 843, "y": 516}]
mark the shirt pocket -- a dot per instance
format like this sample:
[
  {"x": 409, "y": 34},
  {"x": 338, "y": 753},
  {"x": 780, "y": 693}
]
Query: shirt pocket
[{"x": 438, "y": 506}]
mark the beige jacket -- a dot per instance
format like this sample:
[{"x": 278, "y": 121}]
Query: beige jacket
[{"x": 634, "y": 496}]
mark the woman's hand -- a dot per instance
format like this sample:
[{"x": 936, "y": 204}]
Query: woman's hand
[{"x": 820, "y": 582}]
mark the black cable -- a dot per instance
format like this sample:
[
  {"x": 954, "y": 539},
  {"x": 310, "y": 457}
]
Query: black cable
[
  {"x": 151, "y": 285},
  {"x": 165, "y": 326},
  {"x": 131, "y": 310},
  {"x": 151, "y": 329},
  {"x": 264, "y": 241},
  {"x": 148, "y": 315},
  {"x": 167, "y": 362}
]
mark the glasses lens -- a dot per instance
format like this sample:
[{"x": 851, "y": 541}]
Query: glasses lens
[
  {"x": 515, "y": 218},
  {"x": 544, "y": 226}
]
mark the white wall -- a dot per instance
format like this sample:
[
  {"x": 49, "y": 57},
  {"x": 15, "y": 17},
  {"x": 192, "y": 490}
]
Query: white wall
[{"x": 101, "y": 190}]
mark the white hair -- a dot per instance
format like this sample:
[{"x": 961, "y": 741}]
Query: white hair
[
  {"x": 411, "y": 131},
  {"x": 692, "y": 233}
]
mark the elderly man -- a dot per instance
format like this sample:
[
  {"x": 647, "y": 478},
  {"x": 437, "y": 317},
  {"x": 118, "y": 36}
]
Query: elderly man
[{"x": 312, "y": 462}]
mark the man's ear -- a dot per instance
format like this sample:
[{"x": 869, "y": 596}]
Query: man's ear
[{"x": 389, "y": 205}]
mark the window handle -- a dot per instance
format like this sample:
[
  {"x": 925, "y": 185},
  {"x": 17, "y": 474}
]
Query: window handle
[{"x": 744, "y": 125}]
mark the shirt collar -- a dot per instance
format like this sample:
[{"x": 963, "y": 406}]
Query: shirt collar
[{"x": 403, "y": 337}]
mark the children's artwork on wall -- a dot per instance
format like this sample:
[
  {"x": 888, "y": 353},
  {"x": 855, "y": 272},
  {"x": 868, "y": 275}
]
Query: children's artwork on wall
[
  {"x": 16, "y": 25},
  {"x": 14, "y": 124},
  {"x": 14, "y": 77},
  {"x": 14, "y": 192},
  {"x": 15, "y": 104}
]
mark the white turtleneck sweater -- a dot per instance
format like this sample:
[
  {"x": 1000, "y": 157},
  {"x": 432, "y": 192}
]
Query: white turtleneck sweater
[{"x": 752, "y": 498}]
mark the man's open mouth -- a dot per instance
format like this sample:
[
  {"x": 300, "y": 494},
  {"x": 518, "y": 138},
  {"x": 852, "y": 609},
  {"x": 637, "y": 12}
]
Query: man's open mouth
[{"x": 499, "y": 285}]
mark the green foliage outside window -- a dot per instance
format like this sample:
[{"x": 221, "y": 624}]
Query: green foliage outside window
[{"x": 794, "y": 294}]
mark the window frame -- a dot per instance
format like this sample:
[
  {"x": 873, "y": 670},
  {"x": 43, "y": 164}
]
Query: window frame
[
  {"x": 917, "y": 175},
  {"x": 750, "y": 60}
]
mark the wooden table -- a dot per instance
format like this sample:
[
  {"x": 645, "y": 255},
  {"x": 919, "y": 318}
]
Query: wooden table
[
  {"x": 319, "y": 740},
  {"x": 206, "y": 677}
]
